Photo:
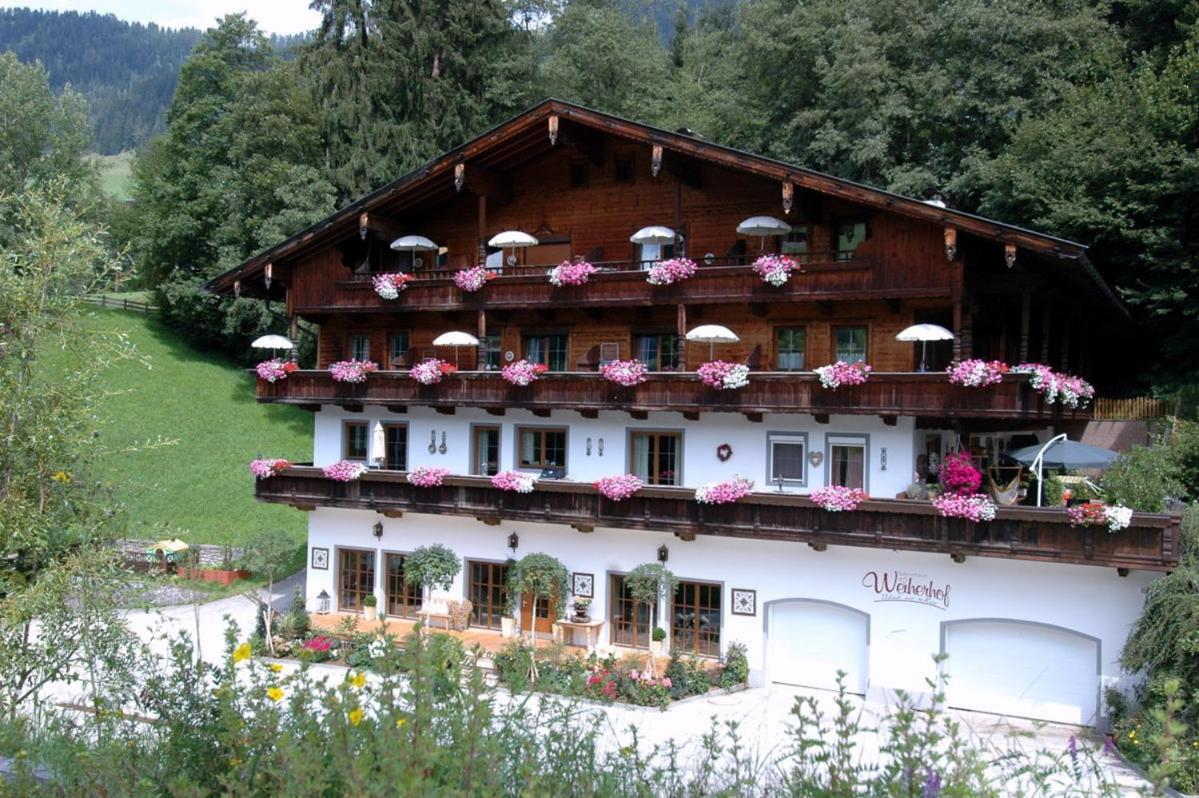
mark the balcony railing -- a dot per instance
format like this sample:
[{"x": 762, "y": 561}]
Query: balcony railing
[
  {"x": 1149, "y": 543},
  {"x": 725, "y": 280},
  {"x": 888, "y": 394}
]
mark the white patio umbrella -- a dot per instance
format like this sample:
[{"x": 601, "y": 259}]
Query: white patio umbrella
[
  {"x": 655, "y": 234},
  {"x": 273, "y": 342},
  {"x": 924, "y": 333},
  {"x": 456, "y": 339},
  {"x": 512, "y": 239},
  {"x": 378, "y": 445},
  {"x": 712, "y": 334},
  {"x": 413, "y": 244},
  {"x": 763, "y": 226}
]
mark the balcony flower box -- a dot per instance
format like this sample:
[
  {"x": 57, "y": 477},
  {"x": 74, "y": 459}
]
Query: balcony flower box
[
  {"x": 724, "y": 492},
  {"x": 514, "y": 481},
  {"x": 976, "y": 373},
  {"x": 428, "y": 476},
  {"x": 265, "y": 469},
  {"x": 1055, "y": 387},
  {"x": 671, "y": 271},
  {"x": 430, "y": 372},
  {"x": 834, "y": 375},
  {"x": 576, "y": 272},
  {"x": 625, "y": 372},
  {"x": 1115, "y": 516},
  {"x": 275, "y": 369},
  {"x": 474, "y": 278},
  {"x": 619, "y": 487},
  {"x": 344, "y": 471},
  {"x": 389, "y": 286},
  {"x": 723, "y": 376},
  {"x": 352, "y": 371},
  {"x": 837, "y": 499},
  {"x": 775, "y": 269},
  {"x": 522, "y": 372},
  {"x": 975, "y": 507}
]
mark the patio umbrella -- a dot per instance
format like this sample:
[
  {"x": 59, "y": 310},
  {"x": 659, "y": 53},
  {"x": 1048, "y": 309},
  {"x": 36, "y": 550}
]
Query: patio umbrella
[
  {"x": 512, "y": 239},
  {"x": 712, "y": 334},
  {"x": 763, "y": 226},
  {"x": 272, "y": 342},
  {"x": 456, "y": 339},
  {"x": 924, "y": 333},
  {"x": 378, "y": 445},
  {"x": 1061, "y": 452},
  {"x": 413, "y": 244},
  {"x": 654, "y": 234}
]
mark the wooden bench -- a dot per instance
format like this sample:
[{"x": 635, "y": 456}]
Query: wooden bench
[{"x": 455, "y": 613}]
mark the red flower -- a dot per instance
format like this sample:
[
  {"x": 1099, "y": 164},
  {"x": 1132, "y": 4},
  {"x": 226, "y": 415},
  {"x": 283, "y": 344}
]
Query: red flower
[
  {"x": 541, "y": 368},
  {"x": 290, "y": 366},
  {"x": 447, "y": 368}
]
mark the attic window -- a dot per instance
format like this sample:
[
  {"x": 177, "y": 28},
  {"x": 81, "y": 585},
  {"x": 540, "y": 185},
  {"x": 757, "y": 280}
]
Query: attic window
[
  {"x": 624, "y": 169},
  {"x": 578, "y": 173}
]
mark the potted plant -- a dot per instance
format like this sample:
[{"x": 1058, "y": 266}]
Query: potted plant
[
  {"x": 581, "y": 607},
  {"x": 657, "y": 645},
  {"x": 652, "y": 583},
  {"x": 370, "y": 604},
  {"x": 431, "y": 567}
]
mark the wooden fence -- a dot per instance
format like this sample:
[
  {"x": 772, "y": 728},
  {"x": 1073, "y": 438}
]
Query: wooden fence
[
  {"x": 122, "y": 304},
  {"x": 1137, "y": 408}
]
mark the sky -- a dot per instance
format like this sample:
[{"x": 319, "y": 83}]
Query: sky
[{"x": 273, "y": 16}]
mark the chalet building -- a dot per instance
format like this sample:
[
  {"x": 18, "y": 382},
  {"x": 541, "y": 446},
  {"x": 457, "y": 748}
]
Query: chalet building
[{"x": 1031, "y": 610}]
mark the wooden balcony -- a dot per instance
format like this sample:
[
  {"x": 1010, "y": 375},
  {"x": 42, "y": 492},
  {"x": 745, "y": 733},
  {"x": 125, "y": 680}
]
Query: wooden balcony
[
  {"x": 1150, "y": 543},
  {"x": 888, "y": 394},
  {"x": 623, "y": 283}
]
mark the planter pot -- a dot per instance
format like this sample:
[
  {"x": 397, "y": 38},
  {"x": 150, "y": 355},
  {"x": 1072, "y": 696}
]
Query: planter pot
[
  {"x": 507, "y": 627},
  {"x": 370, "y": 613},
  {"x": 581, "y": 617},
  {"x": 657, "y": 648}
]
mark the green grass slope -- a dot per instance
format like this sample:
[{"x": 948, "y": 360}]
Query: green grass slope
[
  {"x": 116, "y": 171},
  {"x": 200, "y": 487}
]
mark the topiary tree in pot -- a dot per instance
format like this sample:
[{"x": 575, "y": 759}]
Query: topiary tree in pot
[
  {"x": 432, "y": 567},
  {"x": 649, "y": 583},
  {"x": 542, "y": 577}
]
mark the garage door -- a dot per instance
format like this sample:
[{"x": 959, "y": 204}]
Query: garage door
[
  {"x": 1023, "y": 670},
  {"x": 809, "y": 641}
]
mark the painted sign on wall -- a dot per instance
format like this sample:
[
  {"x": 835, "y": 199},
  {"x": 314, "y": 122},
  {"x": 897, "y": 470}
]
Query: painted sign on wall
[{"x": 906, "y": 586}]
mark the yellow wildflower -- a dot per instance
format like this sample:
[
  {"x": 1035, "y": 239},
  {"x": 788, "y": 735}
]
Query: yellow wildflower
[
  {"x": 400, "y": 722},
  {"x": 355, "y": 716},
  {"x": 357, "y": 680},
  {"x": 61, "y": 476},
  {"x": 1132, "y": 735},
  {"x": 274, "y": 693},
  {"x": 276, "y": 667},
  {"x": 242, "y": 652}
]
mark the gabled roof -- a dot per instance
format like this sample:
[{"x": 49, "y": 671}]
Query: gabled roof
[{"x": 525, "y": 136}]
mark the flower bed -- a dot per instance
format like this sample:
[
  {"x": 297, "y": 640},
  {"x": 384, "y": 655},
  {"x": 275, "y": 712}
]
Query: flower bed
[
  {"x": 275, "y": 369},
  {"x": 428, "y": 476},
  {"x": 352, "y": 370},
  {"x": 568, "y": 272},
  {"x": 522, "y": 372},
  {"x": 430, "y": 372},
  {"x": 474, "y": 278},
  {"x": 621, "y": 487},
  {"x": 343, "y": 471},
  {"x": 722, "y": 375},
  {"x": 625, "y": 372},
  {"x": 975, "y": 507},
  {"x": 1055, "y": 387},
  {"x": 389, "y": 286},
  {"x": 1114, "y": 516},
  {"x": 975, "y": 373},
  {"x": 841, "y": 373},
  {"x": 670, "y": 271},
  {"x": 265, "y": 469},
  {"x": 515, "y": 481},
  {"x": 774, "y": 269},
  {"x": 724, "y": 492},
  {"x": 836, "y": 498}
]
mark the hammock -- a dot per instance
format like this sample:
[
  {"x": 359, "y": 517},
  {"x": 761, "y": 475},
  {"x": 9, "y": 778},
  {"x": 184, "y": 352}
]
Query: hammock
[{"x": 1007, "y": 494}]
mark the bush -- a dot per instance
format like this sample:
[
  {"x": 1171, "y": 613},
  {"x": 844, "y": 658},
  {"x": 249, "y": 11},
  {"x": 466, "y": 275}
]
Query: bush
[
  {"x": 370, "y": 600},
  {"x": 659, "y": 634},
  {"x": 688, "y": 676},
  {"x": 736, "y": 666},
  {"x": 295, "y": 622},
  {"x": 1143, "y": 477}
]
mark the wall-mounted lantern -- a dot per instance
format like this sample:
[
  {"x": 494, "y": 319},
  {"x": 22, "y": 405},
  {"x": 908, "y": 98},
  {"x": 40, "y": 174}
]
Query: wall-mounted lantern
[
  {"x": 663, "y": 553},
  {"x": 459, "y": 176},
  {"x": 267, "y": 274},
  {"x": 553, "y": 130},
  {"x": 377, "y": 529},
  {"x": 322, "y": 603},
  {"x": 513, "y": 542},
  {"x": 951, "y": 244},
  {"x": 655, "y": 161},
  {"x": 1009, "y": 255},
  {"x": 788, "y": 196}
]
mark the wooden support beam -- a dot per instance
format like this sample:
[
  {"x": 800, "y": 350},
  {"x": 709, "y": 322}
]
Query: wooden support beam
[
  {"x": 958, "y": 558},
  {"x": 1122, "y": 572},
  {"x": 352, "y": 407},
  {"x": 691, "y": 415},
  {"x": 481, "y": 232},
  {"x": 890, "y": 421},
  {"x": 381, "y": 226},
  {"x": 758, "y": 309},
  {"x": 821, "y": 418},
  {"x": 491, "y": 520},
  {"x": 310, "y": 408},
  {"x": 398, "y": 409},
  {"x": 685, "y": 535},
  {"x": 754, "y": 418},
  {"x": 446, "y": 411},
  {"x": 586, "y": 529},
  {"x": 392, "y": 513},
  {"x": 681, "y": 319},
  {"x": 1046, "y": 321},
  {"x": 818, "y": 546},
  {"x": 1025, "y": 318},
  {"x": 305, "y": 508},
  {"x": 486, "y": 183}
]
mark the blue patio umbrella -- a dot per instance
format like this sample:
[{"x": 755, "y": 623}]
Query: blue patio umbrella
[{"x": 1061, "y": 452}]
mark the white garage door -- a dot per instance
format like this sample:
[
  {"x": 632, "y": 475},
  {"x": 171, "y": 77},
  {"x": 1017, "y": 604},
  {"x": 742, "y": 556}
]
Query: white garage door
[
  {"x": 810, "y": 641},
  {"x": 1023, "y": 670}
]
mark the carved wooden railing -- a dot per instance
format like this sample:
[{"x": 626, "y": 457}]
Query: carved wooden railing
[
  {"x": 885, "y": 394},
  {"x": 1150, "y": 542}
]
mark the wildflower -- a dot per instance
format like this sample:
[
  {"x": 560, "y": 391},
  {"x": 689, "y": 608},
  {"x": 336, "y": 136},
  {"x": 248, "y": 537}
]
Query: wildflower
[
  {"x": 274, "y": 693},
  {"x": 1132, "y": 734},
  {"x": 242, "y": 652},
  {"x": 61, "y": 476},
  {"x": 276, "y": 667},
  {"x": 932, "y": 784},
  {"x": 1109, "y": 744},
  {"x": 357, "y": 680},
  {"x": 355, "y": 716},
  {"x": 400, "y": 722}
]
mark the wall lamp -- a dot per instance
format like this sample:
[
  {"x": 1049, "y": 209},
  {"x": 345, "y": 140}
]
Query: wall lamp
[
  {"x": 378, "y": 529},
  {"x": 513, "y": 542},
  {"x": 663, "y": 553}
]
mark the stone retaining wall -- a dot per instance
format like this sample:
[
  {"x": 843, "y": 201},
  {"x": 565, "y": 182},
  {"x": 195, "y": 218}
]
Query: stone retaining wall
[{"x": 210, "y": 555}]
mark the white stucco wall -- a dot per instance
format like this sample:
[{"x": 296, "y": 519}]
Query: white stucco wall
[
  {"x": 700, "y": 440},
  {"x": 903, "y": 635}
]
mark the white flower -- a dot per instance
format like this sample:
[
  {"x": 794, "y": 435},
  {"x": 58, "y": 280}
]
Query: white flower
[{"x": 1118, "y": 517}]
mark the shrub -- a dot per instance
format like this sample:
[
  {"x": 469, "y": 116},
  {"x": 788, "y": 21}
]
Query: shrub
[
  {"x": 736, "y": 666},
  {"x": 1142, "y": 478},
  {"x": 688, "y": 676},
  {"x": 370, "y": 600},
  {"x": 295, "y": 622},
  {"x": 659, "y": 634}
]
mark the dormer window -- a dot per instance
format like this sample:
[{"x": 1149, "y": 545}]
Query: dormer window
[{"x": 848, "y": 236}]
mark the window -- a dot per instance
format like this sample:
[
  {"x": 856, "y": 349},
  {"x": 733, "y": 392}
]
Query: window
[
  {"x": 655, "y": 457},
  {"x": 578, "y": 173},
  {"x": 398, "y": 344},
  {"x": 651, "y": 253},
  {"x": 850, "y": 343},
  {"x": 847, "y": 461},
  {"x": 695, "y": 621},
  {"x": 395, "y": 447},
  {"x": 487, "y": 591},
  {"x": 630, "y": 619},
  {"x": 403, "y": 597},
  {"x": 540, "y": 447},
  {"x": 847, "y": 236},
  {"x": 787, "y": 453},
  {"x": 355, "y": 578},
  {"x": 491, "y": 355},
  {"x": 658, "y": 351},
  {"x": 360, "y": 347},
  {"x": 354, "y": 436},
  {"x": 797, "y": 243},
  {"x": 550, "y": 349},
  {"x": 485, "y": 451},
  {"x": 790, "y": 345},
  {"x": 623, "y": 170}
]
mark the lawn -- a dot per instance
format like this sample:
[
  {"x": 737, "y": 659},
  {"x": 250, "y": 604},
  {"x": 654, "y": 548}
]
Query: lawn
[
  {"x": 198, "y": 486},
  {"x": 115, "y": 173}
]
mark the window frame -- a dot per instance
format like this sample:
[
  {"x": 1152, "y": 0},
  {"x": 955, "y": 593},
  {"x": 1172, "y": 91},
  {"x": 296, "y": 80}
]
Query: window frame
[
  {"x": 524, "y": 348},
  {"x": 518, "y": 432},
  {"x": 778, "y": 331},
  {"x": 485, "y": 351},
  {"x": 387, "y": 427},
  {"x": 391, "y": 353},
  {"x": 659, "y": 336},
  {"x": 477, "y": 607},
  {"x": 844, "y": 255},
  {"x": 627, "y": 639},
  {"x": 356, "y": 607},
  {"x": 632, "y": 432},
  {"x": 799, "y": 257},
  {"x": 787, "y": 436},
  {"x": 696, "y": 649},
  {"x": 833, "y": 340},
  {"x": 474, "y": 448},
  {"x": 346, "y": 424},
  {"x": 405, "y": 587},
  {"x": 832, "y": 439},
  {"x": 350, "y": 338}
]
